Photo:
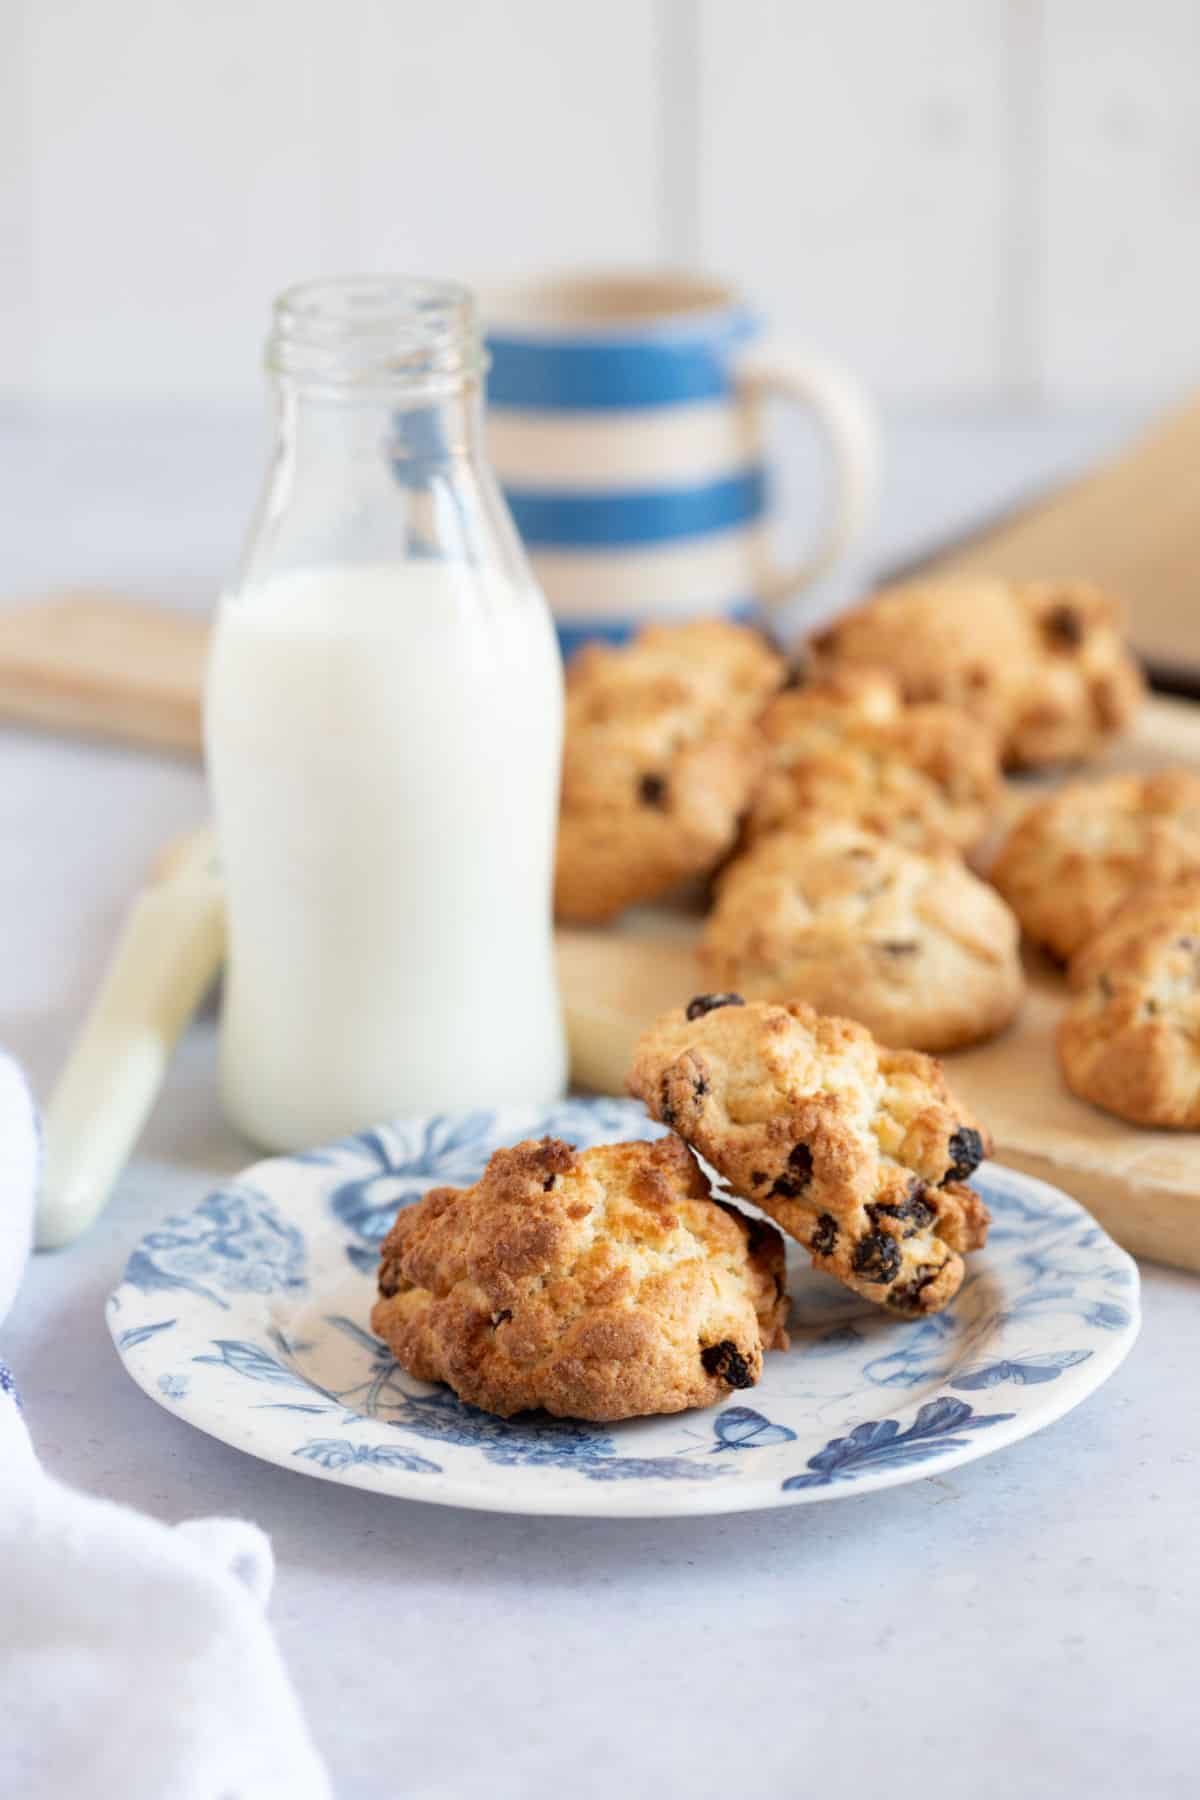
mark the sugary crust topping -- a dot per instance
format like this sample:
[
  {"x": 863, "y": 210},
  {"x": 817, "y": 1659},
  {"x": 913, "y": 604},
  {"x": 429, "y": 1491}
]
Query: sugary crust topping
[
  {"x": 1077, "y": 853},
  {"x": 601, "y": 1284},
  {"x": 745, "y": 664},
  {"x": 926, "y": 775},
  {"x": 1129, "y": 1040},
  {"x": 659, "y": 761},
  {"x": 861, "y": 1153},
  {"x": 915, "y": 947},
  {"x": 1042, "y": 662}
]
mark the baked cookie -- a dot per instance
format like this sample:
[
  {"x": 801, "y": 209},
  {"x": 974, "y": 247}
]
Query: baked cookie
[
  {"x": 925, "y": 775},
  {"x": 861, "y": 1153},
  {"x": 599, "y": 1284},
  {"x": 914, "y": 947},
  {"x": 659, "y": 761},
  {"x": 1075, "y": 855},
  {"x": 1129, "y": 1040},
  {"x": 1042, "y": 662}
]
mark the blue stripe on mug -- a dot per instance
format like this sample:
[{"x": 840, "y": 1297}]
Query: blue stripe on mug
[
  {"x": 646, "y": 516},
  {"x": 573, "y": 636},
  {"x": 690, "y": 361}
]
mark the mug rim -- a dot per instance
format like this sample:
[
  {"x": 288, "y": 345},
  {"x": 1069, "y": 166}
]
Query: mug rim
[{"x": 584, "y": 305}]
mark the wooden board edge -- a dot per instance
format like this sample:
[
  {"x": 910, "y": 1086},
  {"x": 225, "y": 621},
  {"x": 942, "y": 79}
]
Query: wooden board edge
[
  {"x": 1147, "y": 1218},
  {"x": 143, "y": 721}
]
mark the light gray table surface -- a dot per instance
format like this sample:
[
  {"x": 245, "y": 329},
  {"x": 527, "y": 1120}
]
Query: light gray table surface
[{"x": 1024, "y": 1626}]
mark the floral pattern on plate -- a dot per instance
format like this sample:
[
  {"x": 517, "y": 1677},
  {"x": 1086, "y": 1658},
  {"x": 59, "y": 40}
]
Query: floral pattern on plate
[{"x": 248, "y": 1318}]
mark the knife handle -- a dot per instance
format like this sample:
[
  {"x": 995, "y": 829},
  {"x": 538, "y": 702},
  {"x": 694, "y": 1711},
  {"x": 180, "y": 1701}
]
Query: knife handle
[{"x": 168, "y": 955}]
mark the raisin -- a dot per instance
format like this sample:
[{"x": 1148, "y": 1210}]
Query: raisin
[
  {"x": 877, "y": 1256},
  {"x": 652, "y": 790},
  {"x": 700, "y": 1086},
  {"x": 549, "y": 1183},
  {"x": 966, "y": 1154},
  {"x": 797, "y": 1175},
  {"x": 1064, "y": 627},
  {"x": 758, "y": 1177},
  {"x": 906, "y": 1295},
  {"x": 726, "y": 1361},
  {"x": 916, "y": 1212},
  {"x": 759, "y": 1234},
  {"x": 666, "y": 1111},
  {"x": 706, "y": 1003},
  {"x": 502, "y": 1317},
  {"x": 825, "y": 1235}
]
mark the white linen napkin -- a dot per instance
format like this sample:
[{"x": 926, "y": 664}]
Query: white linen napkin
[{"x": 135, "y": 1659}]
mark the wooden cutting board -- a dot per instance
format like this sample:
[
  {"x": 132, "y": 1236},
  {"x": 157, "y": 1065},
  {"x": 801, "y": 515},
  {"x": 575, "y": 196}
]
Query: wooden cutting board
[
  {"x": 102, "y": 666},
  {"x": 1143, "y": 1186}
]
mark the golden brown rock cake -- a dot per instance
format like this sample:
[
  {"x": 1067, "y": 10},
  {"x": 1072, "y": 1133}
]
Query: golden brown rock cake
[
  {"x": 1079, "y": 852},
  {"x": 1129, "y": 1040},
  {"x": 916, "y": 948},
  {"x": 660, "y": 758},
  {"x": 597, "y": 1284},
  {"x": 861, "y": 1153},
  {"x": 1042, "y": 662},
  {"x": 846, "y": 747}
]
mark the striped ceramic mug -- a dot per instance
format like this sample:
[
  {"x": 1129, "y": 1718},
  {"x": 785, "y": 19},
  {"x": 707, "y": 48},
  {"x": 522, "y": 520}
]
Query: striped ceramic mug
[{"x": 625, "y": 418}]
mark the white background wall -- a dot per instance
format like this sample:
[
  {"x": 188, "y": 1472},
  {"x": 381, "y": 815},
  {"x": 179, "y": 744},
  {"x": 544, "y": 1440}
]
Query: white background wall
[{"x": 966, "y": 199}]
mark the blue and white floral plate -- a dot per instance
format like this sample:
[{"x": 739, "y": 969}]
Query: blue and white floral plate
[{"x": 249, "y": 1319}]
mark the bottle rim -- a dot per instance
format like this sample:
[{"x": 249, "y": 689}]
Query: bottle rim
[{"x": 390, "y": 331}]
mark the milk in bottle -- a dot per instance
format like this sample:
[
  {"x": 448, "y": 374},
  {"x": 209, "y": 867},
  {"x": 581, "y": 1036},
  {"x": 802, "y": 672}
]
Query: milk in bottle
[{"x": 383, "y": 723}]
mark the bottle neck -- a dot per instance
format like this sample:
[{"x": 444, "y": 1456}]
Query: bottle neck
[
  {"x": 405, "y": 434},
  {"x": 379, "y": 454}
]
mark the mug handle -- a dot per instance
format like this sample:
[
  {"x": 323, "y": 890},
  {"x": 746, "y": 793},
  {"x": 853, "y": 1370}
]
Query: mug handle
[{"x": 776, "y": 370}]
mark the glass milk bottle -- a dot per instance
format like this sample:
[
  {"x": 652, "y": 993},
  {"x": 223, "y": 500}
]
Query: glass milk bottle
[{"x": 384, "y": 726}]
